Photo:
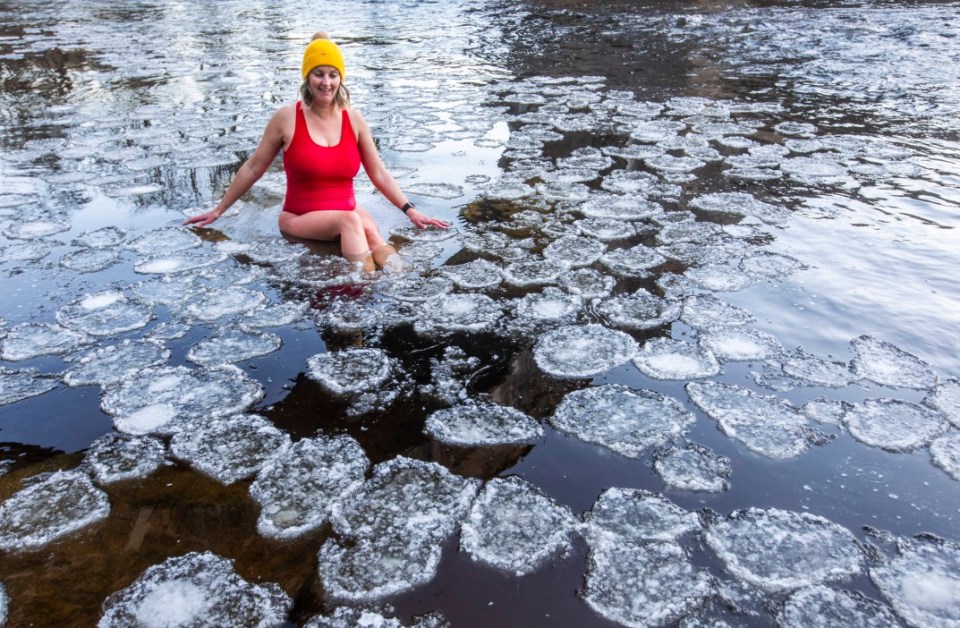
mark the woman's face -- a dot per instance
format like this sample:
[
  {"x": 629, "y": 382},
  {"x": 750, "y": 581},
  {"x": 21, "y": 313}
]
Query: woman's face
[{"x": 324, "y": 81}]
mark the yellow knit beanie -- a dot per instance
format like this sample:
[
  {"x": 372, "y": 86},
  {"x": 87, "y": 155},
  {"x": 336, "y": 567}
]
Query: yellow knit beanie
[{"x": 322, "y": 51}]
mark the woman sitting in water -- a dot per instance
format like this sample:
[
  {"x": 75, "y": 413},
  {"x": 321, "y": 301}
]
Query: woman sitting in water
[{"x": 324, "y": 141}]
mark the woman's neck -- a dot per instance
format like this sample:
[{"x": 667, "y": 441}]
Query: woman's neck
[{"x": 323, "y": 111}]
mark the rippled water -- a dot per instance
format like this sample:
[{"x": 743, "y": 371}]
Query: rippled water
[{"x": 688, "y": 354}]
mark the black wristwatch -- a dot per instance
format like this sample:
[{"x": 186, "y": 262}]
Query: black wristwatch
[{"x": 407, "y": 207}]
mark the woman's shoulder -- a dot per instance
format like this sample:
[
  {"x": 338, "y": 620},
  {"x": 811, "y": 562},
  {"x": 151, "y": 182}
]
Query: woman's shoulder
[{"x": 355, "y": 115}]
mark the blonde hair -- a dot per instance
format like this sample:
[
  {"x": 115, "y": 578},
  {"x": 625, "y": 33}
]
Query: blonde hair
[{"x": 342, "y": 97}]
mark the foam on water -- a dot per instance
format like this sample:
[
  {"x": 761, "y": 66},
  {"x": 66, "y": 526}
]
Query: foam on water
[
  {"x": 638, "y": 310},
  {"x": 621, "y": 419},
  {"x": 766, "y": 425},
  {"x": 708, "y": 313},
  {"x": 195, "y": 589},
  {"x": 111, "y": 364},
  {"x": 666, "y": 358},
  {"x": 649, "y": 584},
  {"x": 297, "y": 485},
  {"x": 580, "y": 351},
  {"x": 822, "y": 607},
  {"x": 157, "y": 399},
  {"x": 24, "y": 383},
  {"x": 693, "y": 467},
  {"x": 230, "y": 345},
  {"x": 480, "y": 423},
  {"x": 623, "y": 516},
  {"x": 893, "y": 424},
  {"x": 740, "y": 344},
  {"x": 230, "y": 448},
  {"x": 30, "y": 340},
  {"x": 49, "y": 508},
  {"x": 115, "y": 457},
  {"x": 779, "y": 550},
  {"x": 922, "y": 582},
  {"x": 513, "y": 526},
  {"x": 889, "y": 365},
  {"x": 218, "y": 303}
]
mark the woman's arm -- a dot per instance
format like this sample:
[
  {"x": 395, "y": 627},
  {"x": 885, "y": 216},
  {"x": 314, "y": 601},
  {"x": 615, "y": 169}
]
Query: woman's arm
[
  {"x": 252, "y": 169},
  {"x": 381, "y": 177}
]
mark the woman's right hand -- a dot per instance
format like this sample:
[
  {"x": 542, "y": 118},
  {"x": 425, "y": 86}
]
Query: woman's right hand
[{"x": 202, "y": 220}]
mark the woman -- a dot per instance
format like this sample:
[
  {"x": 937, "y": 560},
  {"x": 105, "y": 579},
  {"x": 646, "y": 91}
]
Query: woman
[{"x": 324, "y": 141}]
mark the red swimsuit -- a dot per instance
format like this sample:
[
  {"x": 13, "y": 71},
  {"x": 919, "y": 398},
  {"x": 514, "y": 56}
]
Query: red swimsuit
[{"x": 320, "y": 178}]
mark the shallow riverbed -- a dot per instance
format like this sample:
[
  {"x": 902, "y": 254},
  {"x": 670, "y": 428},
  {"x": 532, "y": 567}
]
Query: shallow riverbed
[{"x": 688, "y": 354}]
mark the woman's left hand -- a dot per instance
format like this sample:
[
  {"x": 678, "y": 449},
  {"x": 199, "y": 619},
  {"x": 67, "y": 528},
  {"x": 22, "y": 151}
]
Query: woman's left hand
[{"x": 422, "y": 221}]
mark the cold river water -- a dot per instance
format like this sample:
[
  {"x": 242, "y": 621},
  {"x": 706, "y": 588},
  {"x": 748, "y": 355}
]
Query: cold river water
[{"x": 688, "y": 354}]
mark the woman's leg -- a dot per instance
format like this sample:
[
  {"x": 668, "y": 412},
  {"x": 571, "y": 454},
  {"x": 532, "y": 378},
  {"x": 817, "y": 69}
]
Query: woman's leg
[
  {"x": 348, "y": 226},
  {"x": 381, "y": 250}
]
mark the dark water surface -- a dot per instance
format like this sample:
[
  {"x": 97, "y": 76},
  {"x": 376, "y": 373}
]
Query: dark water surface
[{"x": 747, "y": 173}]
